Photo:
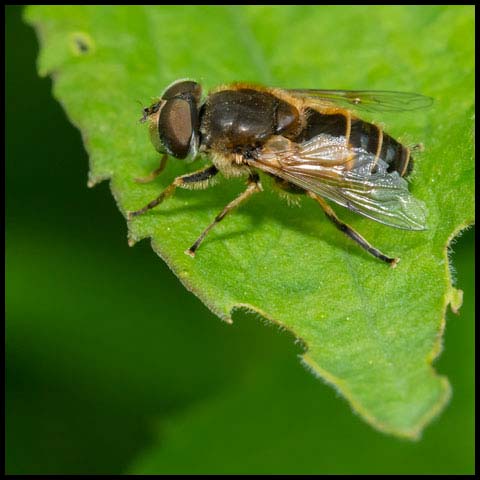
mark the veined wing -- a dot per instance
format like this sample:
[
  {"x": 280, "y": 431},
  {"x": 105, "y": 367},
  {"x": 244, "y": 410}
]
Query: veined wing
[
  {"x": 367, "y": 100},
  {"x": 351, "y": 177}
]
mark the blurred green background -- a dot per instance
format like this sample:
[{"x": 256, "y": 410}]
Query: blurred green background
[{"x": 93, "y": 385}]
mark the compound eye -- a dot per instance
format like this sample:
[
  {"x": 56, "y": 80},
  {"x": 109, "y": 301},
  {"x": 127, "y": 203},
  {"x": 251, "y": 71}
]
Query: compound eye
[
  {"x": 183, "y": 88},
  {"x": 175, "y": 127}
]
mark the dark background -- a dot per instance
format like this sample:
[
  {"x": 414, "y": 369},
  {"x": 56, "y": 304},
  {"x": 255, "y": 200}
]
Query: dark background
[{"x": 103, "y": 344}]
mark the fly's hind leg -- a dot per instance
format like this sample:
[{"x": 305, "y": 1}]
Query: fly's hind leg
[
  {"x": 254, "y": 186},
  {"x": 199, "y": 179},
  {"x": 350, "y": 232},
  {"x": 152, "y": 176}
]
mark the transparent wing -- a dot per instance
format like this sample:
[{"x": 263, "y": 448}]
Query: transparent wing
[
  {"x": 350, "y": 177},
  {"x": 367, "y": 100}
]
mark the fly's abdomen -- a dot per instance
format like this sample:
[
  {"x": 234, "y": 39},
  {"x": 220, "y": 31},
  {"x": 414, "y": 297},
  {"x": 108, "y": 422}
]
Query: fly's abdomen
[
  {"x": 374, "y": 140},
  {"x": 360, "y": 134},
  {"x": 396, "y": 156}
]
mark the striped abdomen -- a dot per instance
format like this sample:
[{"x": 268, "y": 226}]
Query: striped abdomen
[{"x": 360, "y": 134}]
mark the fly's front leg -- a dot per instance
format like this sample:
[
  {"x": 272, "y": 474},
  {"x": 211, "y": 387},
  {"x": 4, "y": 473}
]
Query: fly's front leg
[
  {"x": 199, "y": 179},
  {"x": 254, "y": 186},
  {"x": 156, "y": 172},
  {"x": 350, "y": 232}
]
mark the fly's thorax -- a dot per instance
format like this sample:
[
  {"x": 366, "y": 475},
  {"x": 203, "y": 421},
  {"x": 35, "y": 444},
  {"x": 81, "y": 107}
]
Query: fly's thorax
[
  {"x": 236, "y": 119},
  {"x": 230, "y": 164}
]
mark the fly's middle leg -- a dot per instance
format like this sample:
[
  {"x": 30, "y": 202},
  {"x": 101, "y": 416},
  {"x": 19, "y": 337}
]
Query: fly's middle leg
[
  {"x": 254, "y": 186},
  {"x": 350, "y": 232}
]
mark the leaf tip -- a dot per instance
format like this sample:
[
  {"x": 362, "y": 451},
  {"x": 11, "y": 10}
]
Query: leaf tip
[
  {"x": 455, "y": 300},
  {"x": 94, "y": 179},
  {"x": 415, "y": 434}
]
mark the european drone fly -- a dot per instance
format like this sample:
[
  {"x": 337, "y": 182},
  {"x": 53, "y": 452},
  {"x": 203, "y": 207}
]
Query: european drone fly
[{"x": 309, "y": 141}]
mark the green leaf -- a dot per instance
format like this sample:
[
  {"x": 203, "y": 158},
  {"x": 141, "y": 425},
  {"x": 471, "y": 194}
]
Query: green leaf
[
  {"x": 294, "y": 430},
  {"x": 370, "y": 331}
]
